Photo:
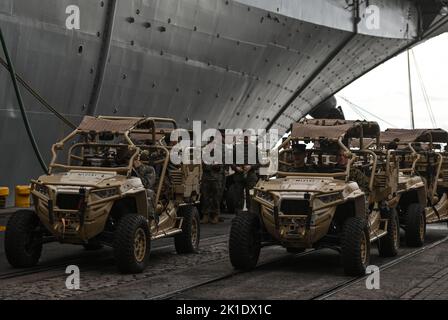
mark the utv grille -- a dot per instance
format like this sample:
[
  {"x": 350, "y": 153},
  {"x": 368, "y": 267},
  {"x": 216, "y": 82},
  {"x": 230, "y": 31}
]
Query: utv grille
[
  {"x": 68, "y": 201},
  {"x": 295, "y": 207}
]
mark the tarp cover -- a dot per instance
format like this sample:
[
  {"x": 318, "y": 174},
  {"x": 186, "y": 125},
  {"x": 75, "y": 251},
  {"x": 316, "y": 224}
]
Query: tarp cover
[
  {"x": 414, "y": 135},
  {"x": 334, "y": 129},
  {"x": 105, "y": 125}
]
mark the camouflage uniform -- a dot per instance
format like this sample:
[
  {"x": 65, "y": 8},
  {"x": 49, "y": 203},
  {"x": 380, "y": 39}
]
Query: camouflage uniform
[
  {"x": 287, "y": 157},
  {"x": 244, "y": 182},
  {"x": 212, "y": 188},
  {"x": 359, "y": 177},
  {"x": 298, "y": 167},
  {"x": 147, "y": 175}
]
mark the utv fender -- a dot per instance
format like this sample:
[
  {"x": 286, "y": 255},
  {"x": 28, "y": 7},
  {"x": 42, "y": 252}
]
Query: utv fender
[
  {"x": 141, "y": 203},
  {"x": 413, "y": 196},
  {"x": 353, "y": 208},
  {"x": 131, "y": 204},
  {"x": 360, "y": 207}
]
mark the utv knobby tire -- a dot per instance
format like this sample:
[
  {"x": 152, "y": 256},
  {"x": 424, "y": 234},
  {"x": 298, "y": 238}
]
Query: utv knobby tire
[
  {"x": 23, "y": 240},
  {"x": 355, "y": 239},
  {"x": 245, "y": 241},
  {"x": 188, "y": 240},
  {"x": 415, "y": 225},
  {"x": 130, "y": 228},
  {"x": 389, "y": 245}
]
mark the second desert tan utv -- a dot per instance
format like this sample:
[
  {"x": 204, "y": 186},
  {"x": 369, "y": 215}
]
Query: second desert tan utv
[
  {"x": 94, "y": 195},
  {"x": 337, "y": 198},
  {"x": 423, "y": 181}
]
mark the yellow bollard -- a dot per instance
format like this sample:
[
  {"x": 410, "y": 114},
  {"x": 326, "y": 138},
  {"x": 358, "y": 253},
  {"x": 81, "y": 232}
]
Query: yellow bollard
[
  {"x": 23, "y": 196},
  {"x": 4, "y": 193}
]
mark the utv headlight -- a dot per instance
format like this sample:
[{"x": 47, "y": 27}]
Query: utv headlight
[
  {"x": 266, "y": 196},
  {"x": 106, "y": 193},
  {"x": 43, "y": 190}
]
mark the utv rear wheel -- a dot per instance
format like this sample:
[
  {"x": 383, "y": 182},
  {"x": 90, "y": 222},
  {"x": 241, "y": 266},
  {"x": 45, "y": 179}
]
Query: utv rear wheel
[
  {"x": 132, "y": 244},
  {"x": 188, "y": 240},
  {"x": 23, "y": 239},
  {"x": 245, "y": 242},
  {"x": 355, "y": 246},
  {"x": 389, "y": 244},
  {"x": 415, "y": 225}
]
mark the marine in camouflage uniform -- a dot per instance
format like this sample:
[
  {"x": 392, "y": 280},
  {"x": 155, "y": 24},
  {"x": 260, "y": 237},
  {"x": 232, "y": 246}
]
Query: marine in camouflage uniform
[
  {"x": 298, "y": 159},
  {"x": 355, "y": 174},
  {"x": 212, "y": 189},
  {"x": 212, "y": 184},
  {"x": 147, "y": 175},
  {"x": 245, "y": 179}
]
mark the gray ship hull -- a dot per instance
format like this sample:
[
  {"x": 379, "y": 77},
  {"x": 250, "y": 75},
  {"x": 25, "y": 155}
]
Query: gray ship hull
[{"x": 232, "y": 64}]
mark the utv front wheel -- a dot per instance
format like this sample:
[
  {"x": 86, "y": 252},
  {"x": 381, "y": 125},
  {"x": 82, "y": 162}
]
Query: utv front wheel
[
  {"x": 415, "y": 225},
  {"x": 23, "y": 239},
  {"x": 132, "y": 244},
  {"x": 245, "y": 242},
  {"x": 355, "y": 246},
  {"x": 389, "y": 244},
  {"x": 188, "y": 240}
]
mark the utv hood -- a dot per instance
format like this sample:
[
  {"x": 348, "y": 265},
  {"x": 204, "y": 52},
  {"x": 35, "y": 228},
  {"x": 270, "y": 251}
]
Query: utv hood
[
  {"x": 97, "y": 179},
  {"x": 287, "y": 186}
]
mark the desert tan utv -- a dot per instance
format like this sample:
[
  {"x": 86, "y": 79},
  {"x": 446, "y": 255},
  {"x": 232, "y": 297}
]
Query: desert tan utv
[
  {"x": 319, "y": 203},
  {"x": 423, "y": 181},
  {"x": 95, "y": 196}
]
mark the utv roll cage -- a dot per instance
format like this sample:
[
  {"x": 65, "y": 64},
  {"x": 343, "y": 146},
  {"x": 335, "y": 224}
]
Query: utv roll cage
[
  {"x": 338, "y": 132},
  {"x": 127, "y": 128},
  {"x": 407, "y": 141}
]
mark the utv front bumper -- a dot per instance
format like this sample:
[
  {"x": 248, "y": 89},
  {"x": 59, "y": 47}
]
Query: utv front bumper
[{"x": 71, "y": 217}]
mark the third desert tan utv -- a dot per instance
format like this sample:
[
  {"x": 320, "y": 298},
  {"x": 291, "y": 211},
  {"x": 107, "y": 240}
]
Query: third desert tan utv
[
  {"x": 94, "y": 195},
  {"x": 423, "y": 186},
  {"x": 320, "y": 203}
]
